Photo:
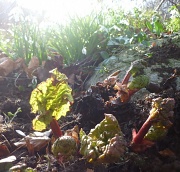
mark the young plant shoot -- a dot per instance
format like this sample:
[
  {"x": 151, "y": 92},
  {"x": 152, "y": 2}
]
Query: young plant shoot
[
  {"x": 66, "y": 146},
  {"x": 126, "y": 89},
  {"x": 156, "y": 126},
  {"x": 51, "y": 100},
  {"x": 104, "y": 143}
]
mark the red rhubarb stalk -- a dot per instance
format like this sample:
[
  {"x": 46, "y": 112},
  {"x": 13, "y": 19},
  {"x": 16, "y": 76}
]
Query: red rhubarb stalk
[
  {"x": 50, "y": 107},
  {"x": 138, "y": 137},
  {"x": 159, "y": 115},
  {"x": 126, "y": 78},
  {"x": 56, "y": 130}
]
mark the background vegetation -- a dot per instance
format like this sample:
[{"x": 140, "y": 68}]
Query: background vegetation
[{"x": 24, "y": 35}]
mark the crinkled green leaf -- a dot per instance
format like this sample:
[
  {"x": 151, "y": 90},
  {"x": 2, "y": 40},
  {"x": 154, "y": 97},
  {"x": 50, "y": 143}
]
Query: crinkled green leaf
[
  {"x": 81, "y": 134},
  {"x": 156, "y": 132},
  {"x": 159, "y": 115},
  {"x": 113, "y": 150},
  {"x": 103, "y": 142},
  {"x": 106, "y": 129},
  {"x": 58, "y": 76},
  {"x": 50, "y": 99},
  {"x": 65, "y": 145},
  {"x": 41, "y": 121},
  {"x": 137, "y": 67},
  {"x": 139, "y": 82}
]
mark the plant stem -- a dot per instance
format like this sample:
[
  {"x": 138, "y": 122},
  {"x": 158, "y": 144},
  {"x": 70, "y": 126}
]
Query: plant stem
[
  {"x": 56, "y": 128},
  {"x": 138, "y": 137},
  {"x": 126, "y": 78},
  {"x": 131, "y": 92}
]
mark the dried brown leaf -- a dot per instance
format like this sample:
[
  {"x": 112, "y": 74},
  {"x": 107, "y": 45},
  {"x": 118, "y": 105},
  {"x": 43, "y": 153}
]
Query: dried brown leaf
[
  {"x": 18, "y": 63},
  {"x": 6, "y": 66},
  {"x": 32, "y": 66}
]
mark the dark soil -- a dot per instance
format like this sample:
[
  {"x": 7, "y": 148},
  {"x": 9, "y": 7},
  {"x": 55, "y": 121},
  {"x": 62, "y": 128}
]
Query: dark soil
[{"x": 87, "y": 111}]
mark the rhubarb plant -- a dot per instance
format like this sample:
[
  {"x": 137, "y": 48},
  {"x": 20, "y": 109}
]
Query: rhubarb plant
[
  {"x": 139, "y": 80},
  {"x": 66, "y": 146},
  {"x": 51, "y": 99},
  {"x": 156, "y": 126},
  {"x": 104, "y": 143},
  {"x": 126, "y": 88}
]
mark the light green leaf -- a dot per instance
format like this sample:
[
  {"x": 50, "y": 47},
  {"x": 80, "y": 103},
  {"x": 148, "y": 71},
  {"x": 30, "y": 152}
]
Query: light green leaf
[
  {"x": 159, "y": 115},
  {"x": 138, "y": 82},
  {"x": 137, "y": 67},
  {"x": 104, "y": 143},
  {"x": 50, "y": 99}
]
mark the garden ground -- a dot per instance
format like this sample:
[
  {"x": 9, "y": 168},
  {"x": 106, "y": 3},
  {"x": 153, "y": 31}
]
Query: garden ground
[{"x": 87, "y": 111}]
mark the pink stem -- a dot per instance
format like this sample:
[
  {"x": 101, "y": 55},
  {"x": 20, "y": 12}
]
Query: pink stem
[
  {"x": 56, "y": 128},
  {"x": 138, "y": 137},
  {"x": 126, "y": 78}
]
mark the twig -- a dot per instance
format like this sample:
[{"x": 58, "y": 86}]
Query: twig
[
  {"x": 15, "y": 81},
  {"x": 6, "y": 139}
]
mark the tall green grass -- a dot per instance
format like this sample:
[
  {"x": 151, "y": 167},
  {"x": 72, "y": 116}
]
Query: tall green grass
[
  {"x": 83, "y": 36},
  {"x": 25, "y": 39},
  {"x": 80, "y": 34}
]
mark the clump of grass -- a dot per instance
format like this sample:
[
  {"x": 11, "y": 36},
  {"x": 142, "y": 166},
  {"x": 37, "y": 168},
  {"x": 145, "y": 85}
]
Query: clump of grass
[
  {"x": 79, "y": 38},
  {"x": 25, "y": 39}
]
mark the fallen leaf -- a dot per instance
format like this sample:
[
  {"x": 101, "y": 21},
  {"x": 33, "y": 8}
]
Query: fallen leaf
[
  {"x": 20, "y": 133},
  {"x": 34, "y": 141},
  {"x": 6, "y": 66},
  {"x": 18, "y": 63},
  {"x": 71, "y": 79},
  {"x": 74, "y": 133},
  {"x": 8, "y": 159},
  {"x": 32, "y": 66},
  {"x": 42, "y": 73},
  {"x": 34, "y": 63}
]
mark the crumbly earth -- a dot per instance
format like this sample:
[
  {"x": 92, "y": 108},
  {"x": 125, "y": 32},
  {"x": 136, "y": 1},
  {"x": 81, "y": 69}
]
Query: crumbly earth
[{"x": 87, "y": 111}]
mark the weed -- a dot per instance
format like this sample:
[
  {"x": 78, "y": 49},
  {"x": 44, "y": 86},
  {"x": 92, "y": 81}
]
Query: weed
[{"x": 9, "y": 117}]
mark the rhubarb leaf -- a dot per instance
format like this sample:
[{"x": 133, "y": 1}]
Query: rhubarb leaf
[
  {"x": 157, "y": 132},
  {"x": 138, "y": 82},
  {"x": 137, "y": 67},
  {"x": 104, "y": 143},
  {"x": 65, "y": 145},
  {"x": 161, "y": 110},
  {"x": 51, "y": 99}
]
